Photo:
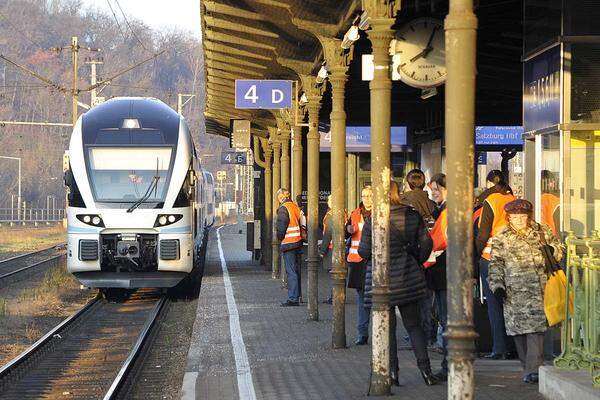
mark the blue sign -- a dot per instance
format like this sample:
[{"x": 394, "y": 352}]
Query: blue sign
[
  {"x": 481, "y": 158},
  {"x": 499, "y": 135},
  {"x": 541, "y": 91},
  {"x": 233, "y": 157},
  {"x": 263, "y": 94},
  {"x": 358, "y": 139}
]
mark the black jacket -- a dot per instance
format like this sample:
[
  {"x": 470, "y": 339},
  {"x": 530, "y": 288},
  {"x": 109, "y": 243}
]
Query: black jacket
[
  {"x": 436, "y": 274},
  {"x": 410, "y": 245},
  {"x": 283, "y": 220}
]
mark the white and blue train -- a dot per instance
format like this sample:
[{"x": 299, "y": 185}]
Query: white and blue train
[{"x": 139, "y": 203}]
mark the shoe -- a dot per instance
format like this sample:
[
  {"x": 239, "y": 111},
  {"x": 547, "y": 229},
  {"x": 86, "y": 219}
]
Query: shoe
[
  {"x": 531, "y": 378},
  {"x": 394, "y": 378},
  {"x": 441, "y": 375},
  {"x": 290, "y": 304},
  {"x": 429, "y": 378},
  {"x": 511, "y": 355},
  {"x": 495, "y": 356},
  {"x": 328, "y": 301},
  {"x": 362, "y": 340}
]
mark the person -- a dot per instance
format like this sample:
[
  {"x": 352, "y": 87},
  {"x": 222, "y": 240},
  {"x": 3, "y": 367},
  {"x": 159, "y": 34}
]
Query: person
[
  {"x": 415, "y": 196},
  {"x": 409, "y": 246},
  {"x": 288, "y": 233},
  {"x": 491, "y": 221},
  {"x": 436, "y": 273},
  {"x": 356, "y": 264},
  {"x": 550, "y": 201},
  {"x": 517, "y": 276},
  {"x": 327, "y": 244}
]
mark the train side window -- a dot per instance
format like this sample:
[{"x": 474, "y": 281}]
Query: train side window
[
  {"x": 74, "y": 198},
  {"x": 185, "y": 197}
]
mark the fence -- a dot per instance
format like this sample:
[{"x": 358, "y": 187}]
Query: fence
[
  {"x": 31, "y": 215},
  {"x": 581, "y": 328}
]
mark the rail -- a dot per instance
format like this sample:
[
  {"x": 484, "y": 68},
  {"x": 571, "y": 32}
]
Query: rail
[
  {"x": 580, "y": 337},
  {"x": 50, "y": 262}
]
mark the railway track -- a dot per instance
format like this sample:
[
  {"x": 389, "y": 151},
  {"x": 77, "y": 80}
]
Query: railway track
[
  {"x": 90, "y": 355},
  {"x": 39, "y": 259}
]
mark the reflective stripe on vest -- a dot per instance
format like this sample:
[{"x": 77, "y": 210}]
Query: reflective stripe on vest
[
  {"x": 497, "y": 202},
  {"x": 292, "y": 233},
  {"x": 357, "y": 221}
]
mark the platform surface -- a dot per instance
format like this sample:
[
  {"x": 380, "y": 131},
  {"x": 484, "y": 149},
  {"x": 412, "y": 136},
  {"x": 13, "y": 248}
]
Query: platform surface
[{"x": 289, "y": 357}]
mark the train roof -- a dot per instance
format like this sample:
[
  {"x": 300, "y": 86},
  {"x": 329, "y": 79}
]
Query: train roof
[{"x": 131, "y": 121}]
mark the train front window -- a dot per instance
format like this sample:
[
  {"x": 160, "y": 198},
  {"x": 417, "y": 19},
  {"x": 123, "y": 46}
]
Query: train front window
[{"x": 124, "y": 174}]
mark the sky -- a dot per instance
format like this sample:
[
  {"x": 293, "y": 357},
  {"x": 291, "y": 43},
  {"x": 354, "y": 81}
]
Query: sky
[{"x": 158, "y": 14}]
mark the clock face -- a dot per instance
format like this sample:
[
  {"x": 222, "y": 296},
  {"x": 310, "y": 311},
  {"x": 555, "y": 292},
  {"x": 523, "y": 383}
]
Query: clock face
[{"x": 420, "y": 46}]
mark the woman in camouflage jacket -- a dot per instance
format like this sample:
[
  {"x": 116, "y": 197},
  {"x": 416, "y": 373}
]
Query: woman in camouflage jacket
[{"x": 517, "y": 275}]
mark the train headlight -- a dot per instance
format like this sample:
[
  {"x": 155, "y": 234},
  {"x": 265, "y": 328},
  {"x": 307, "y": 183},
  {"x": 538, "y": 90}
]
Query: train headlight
[
  {"x": 91, "y": 219},
  {"x": 166, "y": 219}
]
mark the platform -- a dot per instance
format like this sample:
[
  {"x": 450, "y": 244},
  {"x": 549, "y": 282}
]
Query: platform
[{"x": 278, "y": 354}]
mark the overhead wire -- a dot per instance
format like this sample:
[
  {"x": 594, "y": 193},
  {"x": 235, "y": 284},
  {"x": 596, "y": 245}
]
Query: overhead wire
[
  {"x": 116, "y": 19},
  {"x": 131, "y": 29}
]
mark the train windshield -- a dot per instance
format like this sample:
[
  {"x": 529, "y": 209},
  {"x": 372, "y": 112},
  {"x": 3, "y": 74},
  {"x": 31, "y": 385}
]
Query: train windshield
[{"x": 123, "y": 174}]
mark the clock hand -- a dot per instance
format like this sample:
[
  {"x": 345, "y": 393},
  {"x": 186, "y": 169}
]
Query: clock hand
[
  {"x": 424, "y": 53},
  {"x": 431, "y": 37}
]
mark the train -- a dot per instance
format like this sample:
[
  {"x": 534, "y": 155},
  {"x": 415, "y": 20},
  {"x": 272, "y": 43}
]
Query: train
[{"x": 140, "y": 204}]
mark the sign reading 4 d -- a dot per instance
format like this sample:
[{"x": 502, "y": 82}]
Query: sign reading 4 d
[{"x": 263, "y": 94}]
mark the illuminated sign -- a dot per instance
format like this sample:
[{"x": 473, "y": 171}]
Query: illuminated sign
[
  {"x": 358, "y": 139},
  {"x": 499, "y": 135},
  {"x": 541, "y": 91}
]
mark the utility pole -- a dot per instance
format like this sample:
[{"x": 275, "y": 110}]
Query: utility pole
[
  {"x": 18, "y": 159},
  {"x": 94, "y": 79},
  {"x": 74, "y": 86},
  {"x": 182, "y": 100}
]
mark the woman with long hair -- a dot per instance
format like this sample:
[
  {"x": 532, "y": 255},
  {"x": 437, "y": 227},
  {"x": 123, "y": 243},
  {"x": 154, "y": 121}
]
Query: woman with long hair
[{"x": 409, "y": 246}]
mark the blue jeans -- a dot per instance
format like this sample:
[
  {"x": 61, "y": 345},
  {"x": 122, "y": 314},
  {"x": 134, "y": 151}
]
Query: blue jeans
[
  {"x": 291, "y": 259},
  {"x": 501, "y": 342},
  {"x": 441, "y": 300},
  {"x": 362, "y": 324}
]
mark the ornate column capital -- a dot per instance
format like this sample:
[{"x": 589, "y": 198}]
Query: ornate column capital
[{"x": 381, "y": 8}]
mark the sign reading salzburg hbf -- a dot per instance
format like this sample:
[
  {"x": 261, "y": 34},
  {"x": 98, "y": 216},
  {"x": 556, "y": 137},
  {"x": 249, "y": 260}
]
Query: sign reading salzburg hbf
[{"x": 263, "y": 94}]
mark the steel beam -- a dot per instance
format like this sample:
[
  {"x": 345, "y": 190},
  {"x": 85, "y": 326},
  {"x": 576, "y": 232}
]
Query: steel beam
[{"x": 276, "y": 144}]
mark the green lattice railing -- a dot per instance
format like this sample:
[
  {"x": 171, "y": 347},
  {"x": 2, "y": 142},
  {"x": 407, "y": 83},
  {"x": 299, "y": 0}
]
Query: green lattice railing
[{"x": 580, "y": 338}]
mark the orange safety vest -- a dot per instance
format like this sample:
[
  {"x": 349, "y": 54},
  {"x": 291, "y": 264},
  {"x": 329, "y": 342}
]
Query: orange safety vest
[
  {"x": 357, "y": 221},
  {"x": 550, "y": 203},
  {"x": 292, "y": 233},
  {"x": 325, "y": 218},
  {"x": 439, "y": 235},
  {"x": 497, "y": 202}
]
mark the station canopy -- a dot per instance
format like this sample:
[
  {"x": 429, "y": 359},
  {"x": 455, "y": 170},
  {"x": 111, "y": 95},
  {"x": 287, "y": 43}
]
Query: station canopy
[{"x": 277, "y": 39}]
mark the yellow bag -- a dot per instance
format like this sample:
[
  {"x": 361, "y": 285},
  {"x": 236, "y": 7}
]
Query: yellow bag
[{"x": 555, "y": 298}]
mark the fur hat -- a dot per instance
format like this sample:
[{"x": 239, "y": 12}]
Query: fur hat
[{"x": 518, "y": 206}]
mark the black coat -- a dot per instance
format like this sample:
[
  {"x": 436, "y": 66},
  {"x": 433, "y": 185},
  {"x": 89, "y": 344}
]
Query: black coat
[{"x": 410, "y": 246}]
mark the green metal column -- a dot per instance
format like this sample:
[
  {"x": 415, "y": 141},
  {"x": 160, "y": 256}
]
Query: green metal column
[
  {"x": 381, "y": 34},
  {"x": 461, "y": 36},
  {"x": 276, "y": 186},
  {"x": 337, "y": 61},
  {"x": 314, "y": 94},
  {"x": 267, "y": 149},
  {"x": 297, "y": 161}
]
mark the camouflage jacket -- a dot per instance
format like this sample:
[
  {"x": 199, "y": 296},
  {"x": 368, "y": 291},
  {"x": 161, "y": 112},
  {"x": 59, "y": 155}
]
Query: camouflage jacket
[{"x": 517, "y": 266}]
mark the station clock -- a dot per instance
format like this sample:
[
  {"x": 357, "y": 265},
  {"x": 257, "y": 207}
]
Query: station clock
[{"x": 419, "y": 46}]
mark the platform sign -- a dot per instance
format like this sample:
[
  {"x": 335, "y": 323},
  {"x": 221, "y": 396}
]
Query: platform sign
[
  {"x": 263, "y": 94},
  {"x": 481, "y": 158},
  {"x": 541, "y": 90},
  {"x": 499, "y": 135},
  {"x": 358, "y": 139},
  {"x": 233, "y": 157},
  {"x": 240, "y": 134}
]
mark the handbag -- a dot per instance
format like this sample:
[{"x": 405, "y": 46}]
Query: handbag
[{"x": 555, "y": 291}]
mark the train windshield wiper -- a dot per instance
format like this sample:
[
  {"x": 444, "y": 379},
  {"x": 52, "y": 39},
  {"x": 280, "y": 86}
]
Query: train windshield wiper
[{"x": 153, "y": 186}]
